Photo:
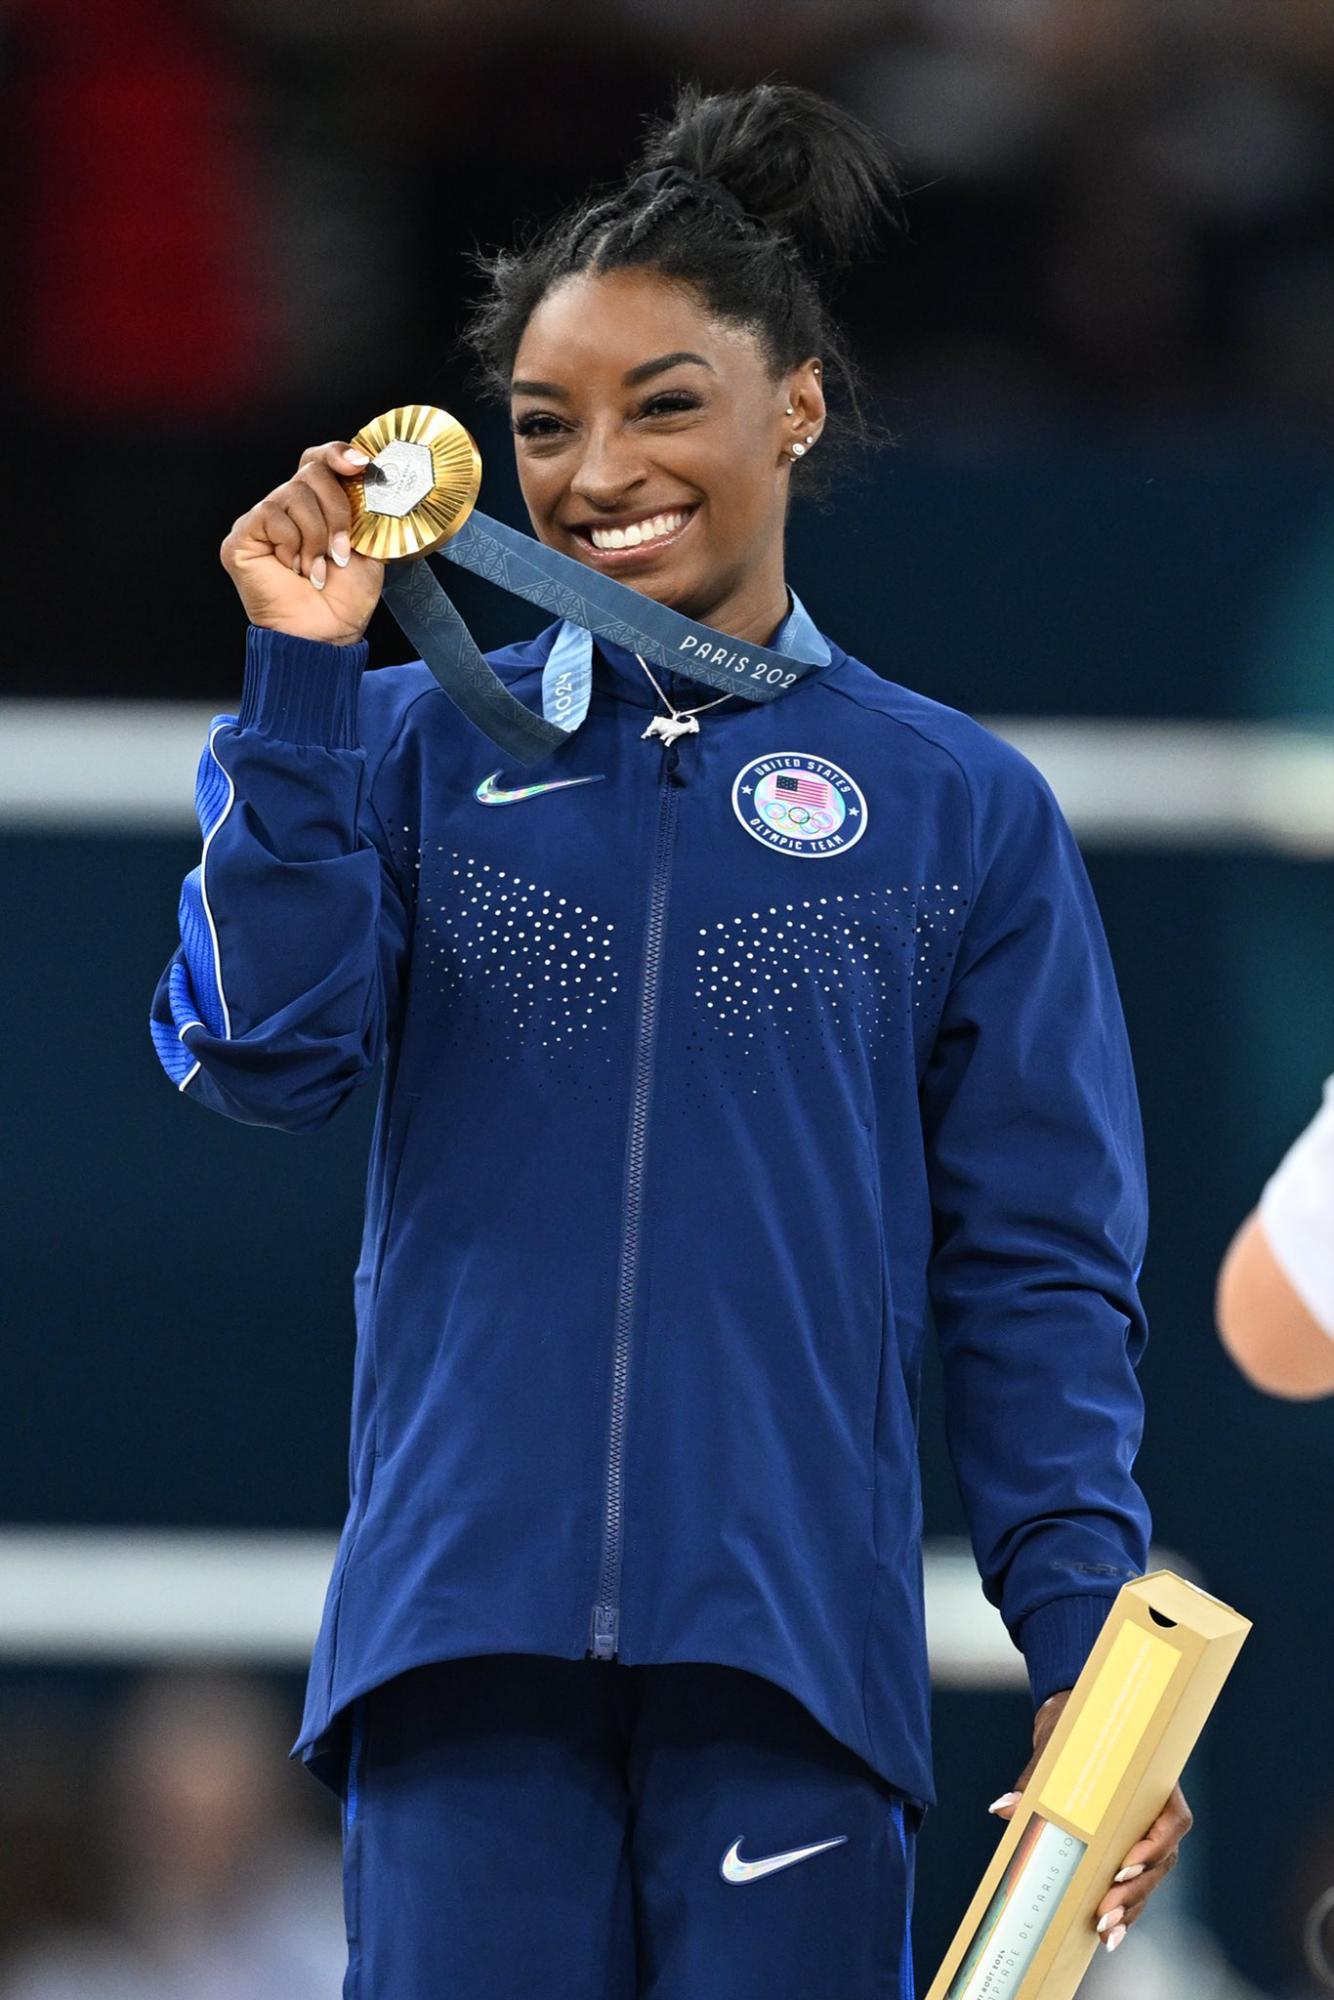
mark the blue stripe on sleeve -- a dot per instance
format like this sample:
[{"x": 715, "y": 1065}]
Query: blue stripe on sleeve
[
  {"x": 907, "y": 1977},
  {"x": 195, "y": 989},
  {"x": 172, "y": 1053}
]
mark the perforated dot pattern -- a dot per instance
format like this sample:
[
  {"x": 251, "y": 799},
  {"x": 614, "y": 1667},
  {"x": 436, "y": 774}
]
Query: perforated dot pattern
[
  {"x": 814, "y": 976},
  {"x": 525, "y": 970},
  {"x": 530, "y": 968}
]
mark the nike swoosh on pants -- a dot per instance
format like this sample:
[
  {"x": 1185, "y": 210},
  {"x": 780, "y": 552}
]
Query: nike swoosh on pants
[{"x": 734, "y": 1869}]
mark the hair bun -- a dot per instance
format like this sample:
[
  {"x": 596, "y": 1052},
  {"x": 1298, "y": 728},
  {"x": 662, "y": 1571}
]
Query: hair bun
[{"x": 792, "y": 159}]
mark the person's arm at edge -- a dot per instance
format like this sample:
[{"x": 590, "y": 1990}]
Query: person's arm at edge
[{"x": 1264, "y": 1323}]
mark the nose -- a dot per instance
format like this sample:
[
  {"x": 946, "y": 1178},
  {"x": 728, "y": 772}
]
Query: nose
[{"x": 609, "y": 470}]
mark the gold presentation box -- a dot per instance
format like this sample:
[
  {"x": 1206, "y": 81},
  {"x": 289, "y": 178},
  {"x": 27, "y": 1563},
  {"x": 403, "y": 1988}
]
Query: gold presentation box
[{"x": 1106, "y": 1773}]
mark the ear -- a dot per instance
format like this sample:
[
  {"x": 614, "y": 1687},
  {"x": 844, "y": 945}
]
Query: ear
[{"x": 803, "y": 415}]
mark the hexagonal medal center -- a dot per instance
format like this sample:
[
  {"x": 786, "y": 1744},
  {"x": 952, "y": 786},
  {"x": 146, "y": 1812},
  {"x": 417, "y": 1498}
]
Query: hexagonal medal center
[{"x": 398, "y": 478}]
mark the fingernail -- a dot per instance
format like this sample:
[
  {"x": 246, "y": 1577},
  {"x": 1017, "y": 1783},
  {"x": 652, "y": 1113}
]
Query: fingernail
[
  {"x": 356, "y": 457},
  {"x": 1117, "y": 1937},
  {"x": 318, "y": 572},
  {"x": 1005, "y": 1799},
  {"x": 340, "y": 548},
  {"x": 1129, "y": 1874},
  {"x": 1112, "y": 1917}
]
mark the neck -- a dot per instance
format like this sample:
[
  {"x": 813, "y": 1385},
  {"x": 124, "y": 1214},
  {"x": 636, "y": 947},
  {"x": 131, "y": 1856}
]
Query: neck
[{"x": 753, "y": 609}]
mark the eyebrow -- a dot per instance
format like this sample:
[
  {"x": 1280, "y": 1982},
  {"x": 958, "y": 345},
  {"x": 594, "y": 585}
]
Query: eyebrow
[
  {"x": 630, "y": 380},
  {"x": 660, "y": 366}
]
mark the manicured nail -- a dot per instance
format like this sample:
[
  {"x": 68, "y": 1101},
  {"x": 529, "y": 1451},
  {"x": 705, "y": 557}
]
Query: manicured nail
[
  {"x": 1117, "y": 1937},
  {"x": 318, "y": 572},
  {"x": 1129, "y": 1874},
  {"x": 1005, "y": 1799},
  {"x": 1112, "y": 1917},
  {"x": 340, "y": 548},
  {"x": 356, "y": 457}
]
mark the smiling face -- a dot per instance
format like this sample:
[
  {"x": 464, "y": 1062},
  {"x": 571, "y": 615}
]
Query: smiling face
[{"x": 652, "y": 444}]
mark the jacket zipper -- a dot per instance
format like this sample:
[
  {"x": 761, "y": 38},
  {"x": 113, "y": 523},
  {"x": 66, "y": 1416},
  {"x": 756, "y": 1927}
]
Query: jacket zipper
[{"x": 607, "y": 1609}]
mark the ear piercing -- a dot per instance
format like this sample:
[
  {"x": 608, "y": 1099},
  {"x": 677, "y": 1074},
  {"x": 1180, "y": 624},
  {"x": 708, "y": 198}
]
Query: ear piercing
[{"x": 800, "y": 450}]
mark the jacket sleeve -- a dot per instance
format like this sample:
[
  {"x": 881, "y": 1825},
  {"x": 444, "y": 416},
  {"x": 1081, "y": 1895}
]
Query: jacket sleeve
[
  {"x": 1036, "y": 1168},
  {"x": 293, "y": 928}
]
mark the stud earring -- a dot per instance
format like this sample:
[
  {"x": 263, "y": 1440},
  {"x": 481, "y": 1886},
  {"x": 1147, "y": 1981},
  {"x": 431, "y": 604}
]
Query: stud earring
[
  {"x": 800, "y": 450},
  {"x": 790, "y": 411}
]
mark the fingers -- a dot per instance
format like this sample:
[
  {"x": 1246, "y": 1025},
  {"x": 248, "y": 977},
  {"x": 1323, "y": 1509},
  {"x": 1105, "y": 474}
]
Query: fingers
[
  {"x": 331, "y": 495},
  {"x": 1146, "y": 1866},
  {"x": 339, "y": 456},
  {"x": 270, "y": 522},
  {"x": 306, "y": 520},
  {"x": 304, "y": 510},
  {"x": 317, "y": 502},
  {"x": 324, "y": 467},
  {"x": 1004, "y": 1806},
  {"x": 1044, "y": 1722}
]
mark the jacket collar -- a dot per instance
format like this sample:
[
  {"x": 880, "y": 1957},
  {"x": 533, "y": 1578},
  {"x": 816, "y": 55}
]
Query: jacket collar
[{"x": 616, "y": 671}]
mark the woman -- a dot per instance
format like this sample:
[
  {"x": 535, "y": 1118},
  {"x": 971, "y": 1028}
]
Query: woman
[{"x": 622, "y": 1674}]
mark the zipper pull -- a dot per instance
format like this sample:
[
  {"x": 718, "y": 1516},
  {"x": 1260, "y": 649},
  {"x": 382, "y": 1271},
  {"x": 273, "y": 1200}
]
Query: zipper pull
[{"x": 604, "y": 1634}]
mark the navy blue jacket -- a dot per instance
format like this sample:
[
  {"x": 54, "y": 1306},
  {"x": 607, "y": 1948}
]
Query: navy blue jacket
[{"x": 712, "y": 1076}]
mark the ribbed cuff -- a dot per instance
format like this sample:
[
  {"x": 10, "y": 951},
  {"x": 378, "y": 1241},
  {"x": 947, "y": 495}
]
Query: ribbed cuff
[
  {"x": 1056, "y": 1640},
  {"x": 302, "y": 690}
]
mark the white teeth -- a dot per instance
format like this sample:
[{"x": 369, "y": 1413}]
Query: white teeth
[{"x": 638, "y": 532}]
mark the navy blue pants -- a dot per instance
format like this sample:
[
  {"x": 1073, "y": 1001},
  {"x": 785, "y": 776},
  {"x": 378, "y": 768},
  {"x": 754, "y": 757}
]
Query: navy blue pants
[{"x": 518, "y": 1825}]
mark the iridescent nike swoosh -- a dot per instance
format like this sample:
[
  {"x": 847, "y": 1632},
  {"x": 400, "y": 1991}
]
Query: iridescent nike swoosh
[
  {"x": 734, "y": 1869},
  {"x": 489, "y": 796}
]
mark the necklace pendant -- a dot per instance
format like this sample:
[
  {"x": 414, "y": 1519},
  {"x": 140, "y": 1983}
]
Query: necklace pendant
[{"x": 666, "y": 728}]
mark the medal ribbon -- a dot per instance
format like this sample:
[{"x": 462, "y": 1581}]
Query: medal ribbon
[{"x": 589, "y": 604}]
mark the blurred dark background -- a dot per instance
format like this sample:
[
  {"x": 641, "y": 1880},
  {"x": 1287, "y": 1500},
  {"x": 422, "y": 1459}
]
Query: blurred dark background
[{"x": 238, "y": 227}]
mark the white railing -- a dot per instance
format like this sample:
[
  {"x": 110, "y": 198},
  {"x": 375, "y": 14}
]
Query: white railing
[
  {"x": 127, "y": 1595},
  {"x": 129, "y": 767}
]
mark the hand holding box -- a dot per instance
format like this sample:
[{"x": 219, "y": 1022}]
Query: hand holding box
[{"x": 1109, "y": 1765}]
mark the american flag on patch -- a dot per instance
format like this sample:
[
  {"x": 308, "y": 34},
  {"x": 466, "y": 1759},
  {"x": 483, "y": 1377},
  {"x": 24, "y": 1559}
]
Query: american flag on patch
[{"x": 806, "y": 791}]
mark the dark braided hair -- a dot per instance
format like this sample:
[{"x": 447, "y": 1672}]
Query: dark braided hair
[{"x": 751, "y": 199}]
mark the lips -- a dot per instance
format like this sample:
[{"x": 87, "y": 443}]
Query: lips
[{"x": 625, "y": 558}]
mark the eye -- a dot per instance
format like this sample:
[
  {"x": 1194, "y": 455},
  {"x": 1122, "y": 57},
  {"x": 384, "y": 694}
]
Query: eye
[
  {"x": 670, "y": 401},
  {"x": 534, "y": 424},
  {"x": 541, "y": 424}
]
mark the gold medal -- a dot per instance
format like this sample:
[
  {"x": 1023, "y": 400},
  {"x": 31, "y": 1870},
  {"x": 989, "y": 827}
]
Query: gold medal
[{"x": 420, "y": 487}]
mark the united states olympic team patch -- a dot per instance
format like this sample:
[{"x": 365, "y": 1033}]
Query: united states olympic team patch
[{"x": 799, "y": 804}]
